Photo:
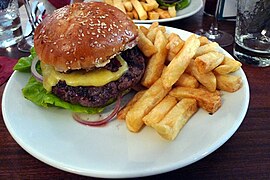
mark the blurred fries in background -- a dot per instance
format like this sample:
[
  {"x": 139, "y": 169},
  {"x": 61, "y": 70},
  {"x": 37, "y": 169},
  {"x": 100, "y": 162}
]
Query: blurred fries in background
[
  {"x": 143, "y": 9},
  {"x": 180, "y": 77}
]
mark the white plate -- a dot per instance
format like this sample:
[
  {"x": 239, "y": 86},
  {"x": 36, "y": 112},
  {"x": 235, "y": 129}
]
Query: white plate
[
  {"x": 52, "y": 136},
  {"x": 193, "y": 8}
]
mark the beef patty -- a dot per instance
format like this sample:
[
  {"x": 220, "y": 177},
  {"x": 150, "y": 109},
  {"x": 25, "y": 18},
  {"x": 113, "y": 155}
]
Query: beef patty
[{"x": 92, "y": 96}]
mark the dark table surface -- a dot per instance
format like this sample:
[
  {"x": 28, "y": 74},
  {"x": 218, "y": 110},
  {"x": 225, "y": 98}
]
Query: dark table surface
[{"x": 245, "y": 155}]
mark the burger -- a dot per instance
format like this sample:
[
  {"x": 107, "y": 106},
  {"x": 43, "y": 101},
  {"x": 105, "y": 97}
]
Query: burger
[{"x": 88, "y": 54}]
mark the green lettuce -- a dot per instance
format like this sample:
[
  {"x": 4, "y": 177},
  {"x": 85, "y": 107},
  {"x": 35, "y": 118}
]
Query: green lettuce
[
  {"x": 24, "y": 63},
  {"x": 35, "y": 92},
  {"x": 179, "y": 4}
]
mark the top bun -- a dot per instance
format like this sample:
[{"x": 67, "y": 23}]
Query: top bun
[{"x": 83, "y": 36}]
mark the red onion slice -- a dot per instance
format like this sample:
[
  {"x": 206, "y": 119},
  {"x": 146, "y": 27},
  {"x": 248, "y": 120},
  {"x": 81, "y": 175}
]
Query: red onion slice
[
  {"x": 34, "y": 70},
  {"x": 78, "y": 117}
]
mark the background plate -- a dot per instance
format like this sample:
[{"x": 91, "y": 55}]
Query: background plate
[{"x": 193, "y": 8}]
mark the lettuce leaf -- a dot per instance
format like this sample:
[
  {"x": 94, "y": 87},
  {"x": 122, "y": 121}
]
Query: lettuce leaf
[
  {"x": 24, "y": 63},
  {"x": 179, "y": 4},
  {"x": 35, "y": 92}
]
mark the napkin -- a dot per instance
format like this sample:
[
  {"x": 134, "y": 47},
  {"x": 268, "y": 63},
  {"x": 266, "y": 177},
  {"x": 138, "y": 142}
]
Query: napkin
[{"x": 6, "y": 68}]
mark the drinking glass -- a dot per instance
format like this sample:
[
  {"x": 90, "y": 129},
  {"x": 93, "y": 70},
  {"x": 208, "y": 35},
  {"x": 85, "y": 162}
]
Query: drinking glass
[
  {"x": 35, "y": 13},
  {"x": 10, "y": 24},
  {"x": 252, "y": 33},
  {"x": 28, "y": 41},
  {"x": 213, "y": 33}
]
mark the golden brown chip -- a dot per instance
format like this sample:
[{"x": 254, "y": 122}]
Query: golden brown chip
[
  {"x": 180, "y": 62},
  {"x": 176, "y": 118},
  {"x": 144, "y": 105},
  {"x": 210, "y": 101}
]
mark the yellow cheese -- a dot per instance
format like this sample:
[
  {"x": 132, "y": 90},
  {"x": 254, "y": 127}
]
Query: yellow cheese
[{"x": 97, "y": 77}]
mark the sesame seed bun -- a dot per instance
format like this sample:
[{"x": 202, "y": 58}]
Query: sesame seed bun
[{"x": 83, "y": 36}]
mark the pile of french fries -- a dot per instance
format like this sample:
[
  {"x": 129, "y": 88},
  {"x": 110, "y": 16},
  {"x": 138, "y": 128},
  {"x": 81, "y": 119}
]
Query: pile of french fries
[
  {"x": 180, "y": 77},
  {"x": 143, "y": 9}
]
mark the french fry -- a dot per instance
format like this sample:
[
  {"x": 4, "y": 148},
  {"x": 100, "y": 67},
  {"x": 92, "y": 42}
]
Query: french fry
[
  {"x": 151, "y": 35},
  {"x": 138, "y": 7},
  {"x": 207, "y": 62},
  {"x": 130, "y": 15},
  {"x": 187, "y": 80},
  {"x": 175, "y": 39},
  {"x": 174, "y": 45},
  {"x": 180, "y": 62},
  {"x": 162, "y": 13},
  {"x": 206, "y": 79},
  {"x": 153, "y": 15},
  {"x": 160, "y": 110},
  {"x": 229, "y": 83},
  {"x": 153, "y": 25},
  {"x": 144, "y": 30},
  {"x": 135, "y": 14},
  {"x": 210, "y": 101},
  {"x": 177, "y": 117},
  {"x": 121, "y": 115},
  {"x": 144, "y": 105},
  {"x": 119, "y": 5},
  {"x": 128, "y": 6},
  {"x": 153, "y": 3},
  {"x": 147, "y": 7},
  {"x": 172, "y": 11},
  {"x": 145, "y": 45},
  {"x": 155, "y": 64},
  {"x": 109, "y": 2},
  {"x": 203, "y": 40},
  {"x": 228, "y": 65},
  {"x": 213, "y": 46}
]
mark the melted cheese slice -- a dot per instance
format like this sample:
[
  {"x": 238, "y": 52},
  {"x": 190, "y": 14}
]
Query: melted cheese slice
[{"x": 97, "y": 77}]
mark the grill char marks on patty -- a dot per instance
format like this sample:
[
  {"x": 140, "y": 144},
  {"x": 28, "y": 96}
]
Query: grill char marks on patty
[{"x": 91, "y": 96}]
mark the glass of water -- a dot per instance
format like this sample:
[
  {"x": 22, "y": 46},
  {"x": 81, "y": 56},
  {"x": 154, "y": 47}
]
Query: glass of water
[
  {"x": 252, "y": 33},
  {"x": 10, "y": 24}
]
